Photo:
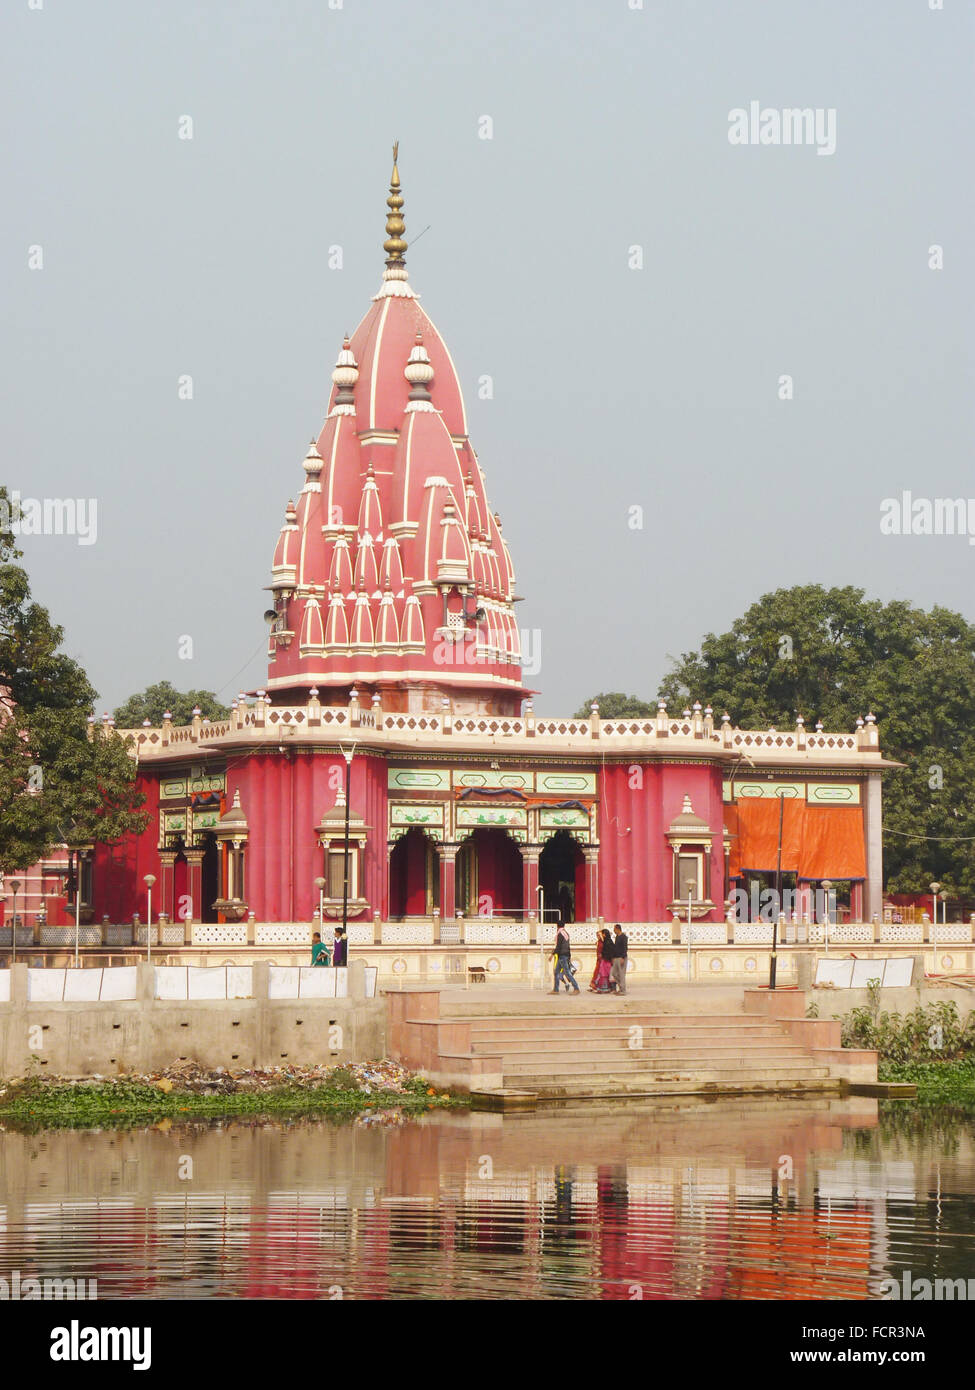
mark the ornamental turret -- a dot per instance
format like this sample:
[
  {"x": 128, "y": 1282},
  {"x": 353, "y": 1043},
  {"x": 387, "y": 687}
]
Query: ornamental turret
[{"x": 391, "y": 569}]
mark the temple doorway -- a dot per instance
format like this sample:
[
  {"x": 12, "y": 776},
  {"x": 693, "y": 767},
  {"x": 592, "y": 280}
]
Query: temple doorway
[
  {"x": 562, "y": 877},
  {"x": 414, "y": 876},
  {"x": 209, "y": 878},
  {"x": 181, "y": 887},
  {"x": 489, "y": 875}
]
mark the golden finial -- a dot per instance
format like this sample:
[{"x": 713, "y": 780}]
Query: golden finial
[{"x": 394, "y": 245}]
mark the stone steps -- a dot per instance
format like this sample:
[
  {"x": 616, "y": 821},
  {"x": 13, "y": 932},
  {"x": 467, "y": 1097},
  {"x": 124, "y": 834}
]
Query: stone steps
[
  {"x": 645, "y": 1056},
  {"x": 537, "y": 1072},
  {"x": 584, "y": 1047},
  {"x": 710, "y": 1037},
  {"x": 610, "y": 1088},
  {"x": 577, "y": 1052}
]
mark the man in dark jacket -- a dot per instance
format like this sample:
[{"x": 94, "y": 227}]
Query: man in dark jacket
[
  {"x": 563, "y": 961},
  {"x": 620, "y": 947}
]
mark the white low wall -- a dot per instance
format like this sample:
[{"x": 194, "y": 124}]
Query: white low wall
[
  {"x": 315, "y": 982},
  {"x": 184, "y": 982},
  {"x": 80, "y": 986},
  {"x": 204, "y": 982},
  {"x": 893, "y": 973}
]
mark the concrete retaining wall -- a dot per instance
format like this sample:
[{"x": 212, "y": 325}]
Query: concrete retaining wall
[{"x": 146, "y": 1033}]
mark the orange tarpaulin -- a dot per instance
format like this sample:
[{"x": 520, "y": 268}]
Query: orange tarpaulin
[{"x": 817, "y": 841}]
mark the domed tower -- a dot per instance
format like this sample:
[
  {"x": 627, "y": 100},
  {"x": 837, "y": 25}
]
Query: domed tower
[{"x": 391, "y": 573}]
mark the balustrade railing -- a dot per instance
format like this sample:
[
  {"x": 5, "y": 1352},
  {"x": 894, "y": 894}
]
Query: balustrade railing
[{"x": 315, "y": 717}]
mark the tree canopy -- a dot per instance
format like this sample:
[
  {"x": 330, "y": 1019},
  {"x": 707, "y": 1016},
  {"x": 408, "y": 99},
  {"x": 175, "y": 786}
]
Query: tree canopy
[
  {"x": 56, "y": 784},
  {"x": 616, "y": 705},
  {"x": 156, "y": 699},
  {"x": 833, "y": 654}
]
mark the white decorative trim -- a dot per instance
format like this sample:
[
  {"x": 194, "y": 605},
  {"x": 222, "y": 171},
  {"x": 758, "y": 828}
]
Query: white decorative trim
[
  {"x": 25, "y": 936},
  {"x": 282, "y": 934},
  {"x": 65, "y": 936},
  {"x": 852, "y": 934},
  {"x": 650, "y": 935},
  {"x": 219, "y": 934},
  {"x": 580, "y": 934},
  {"x": 407, "y": 934},
  {"x": 753, "y": 933},
  {"x": 496, "y": 933},
  {"x": 954, "y": 932},
  {"x": 705, "y": 933},
  {"x": 896, "y": 931}
]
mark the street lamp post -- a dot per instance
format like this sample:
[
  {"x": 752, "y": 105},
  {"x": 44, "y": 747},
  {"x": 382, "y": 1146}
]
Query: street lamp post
[
  {"x": 15, "y": 885},
  {"x": 827, "y": 885},
  {"x": 690, "y": 885},
  {"x": 320, "y": 885},
  {"x": 773, "y": 959},
  {"x": 149, "y": 880},
  {"x": 77, "y": 914},
  {"x": 347, "y": 755},
  {"x": 541, "y": 936},
  {"x": 934, "y": 922}
]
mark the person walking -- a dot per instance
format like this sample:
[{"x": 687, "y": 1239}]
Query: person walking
[
  {"x": 319, "y": 951},
  {"x": 599, "y": 984},
  {"x": 619, "y": 947},
  {"x": 340, "y": 948},
  {"x": 562, "y": 955}
]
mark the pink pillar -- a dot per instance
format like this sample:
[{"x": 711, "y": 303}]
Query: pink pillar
[
  {"x": 448, "y": 861},
  {"x": 529, "y": 877},
  {"x": 194, "y": 882},
  {"x": 591, "y": 856},
  {"x": 167, "y": 859},
  {"x": 856, "y": 902}
]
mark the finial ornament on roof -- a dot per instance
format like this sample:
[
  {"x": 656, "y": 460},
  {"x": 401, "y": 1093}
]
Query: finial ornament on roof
[
  {"x": 394, "y": 245},
  {"x": 345, "y": 376},
  {"x": 419, "y": 373}
]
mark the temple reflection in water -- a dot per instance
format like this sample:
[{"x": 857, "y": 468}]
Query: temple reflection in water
[{"x": 783, "y": 1200}]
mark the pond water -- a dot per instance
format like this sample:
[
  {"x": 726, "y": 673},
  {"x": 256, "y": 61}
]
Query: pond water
[{"x": 732, "y": 1199}]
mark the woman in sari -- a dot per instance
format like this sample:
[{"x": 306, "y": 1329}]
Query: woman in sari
[{"x": 599, "y": 984}]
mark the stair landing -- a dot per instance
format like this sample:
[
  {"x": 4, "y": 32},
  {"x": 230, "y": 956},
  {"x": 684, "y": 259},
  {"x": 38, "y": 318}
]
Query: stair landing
[{"x": 577, "y": 1047}]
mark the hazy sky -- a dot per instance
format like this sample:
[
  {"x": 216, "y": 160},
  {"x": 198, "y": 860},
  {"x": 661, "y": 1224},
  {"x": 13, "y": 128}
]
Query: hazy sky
[{"x": 614, "y": 387}]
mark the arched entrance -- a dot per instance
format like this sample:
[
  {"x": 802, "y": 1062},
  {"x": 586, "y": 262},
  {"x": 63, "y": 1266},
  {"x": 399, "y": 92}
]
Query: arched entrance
[
  {"x": 488, "y": 874},
  {"x": 562, "y": 876},
  {"x": 414, "y": 877},
  {"x": 209, "y": 878},
  {"x": 181, "y": 888}
]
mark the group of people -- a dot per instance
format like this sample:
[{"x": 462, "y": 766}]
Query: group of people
[
  {"x": 339, "y": 954},
  {"x": 609, "y": 976}
]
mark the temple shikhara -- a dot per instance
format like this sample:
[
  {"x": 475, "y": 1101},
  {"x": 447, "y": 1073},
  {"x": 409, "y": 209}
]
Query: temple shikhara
[{"x": 395, "y": 736}]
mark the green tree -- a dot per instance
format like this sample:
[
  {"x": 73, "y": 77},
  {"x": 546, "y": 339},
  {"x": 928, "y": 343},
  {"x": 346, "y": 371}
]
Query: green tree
[
  {"x": 156, "y": 699},
  {"x": 833, "y": 654},
  {"x": 615, "y": 705},
  {"x": 56, "y": 783}
]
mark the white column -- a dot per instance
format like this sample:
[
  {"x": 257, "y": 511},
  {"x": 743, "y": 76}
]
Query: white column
[{"x": 873, "y": 888}]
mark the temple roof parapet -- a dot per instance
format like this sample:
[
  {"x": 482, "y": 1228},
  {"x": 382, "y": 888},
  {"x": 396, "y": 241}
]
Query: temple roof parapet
[{"x": 663, "y": 737}]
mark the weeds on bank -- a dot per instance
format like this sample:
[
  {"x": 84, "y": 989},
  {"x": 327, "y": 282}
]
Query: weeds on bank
[
  {"x": 931, "y": 1033},
  {"x": 37, "y": 1103}
]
